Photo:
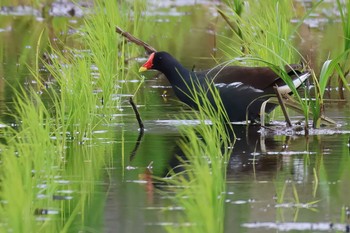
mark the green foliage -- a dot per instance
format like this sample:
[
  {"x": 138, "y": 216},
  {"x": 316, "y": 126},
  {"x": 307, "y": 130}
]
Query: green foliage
[
  {"x": 345, "y": 20},
  {"x": 266, "y": 31},
  {"x": 267, "y": 36},
  {"x": 103, "y": 43},
  {"x": 76, "y": 83},
  {"x": 56, "y": 121},
  {"x": 28, "y": 159},
  {"x": 328, "y": 69},
  {"x": 267, "y": 39},
  {"x": 207, "y": 147}
]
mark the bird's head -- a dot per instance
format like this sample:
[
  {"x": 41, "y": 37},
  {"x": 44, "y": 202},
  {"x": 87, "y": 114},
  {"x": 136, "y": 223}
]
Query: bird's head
[{"x": 157, "y": 61}]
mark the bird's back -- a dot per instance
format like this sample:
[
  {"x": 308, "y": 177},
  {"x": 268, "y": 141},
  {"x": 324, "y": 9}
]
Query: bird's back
[{"x": 257, "y": 77}]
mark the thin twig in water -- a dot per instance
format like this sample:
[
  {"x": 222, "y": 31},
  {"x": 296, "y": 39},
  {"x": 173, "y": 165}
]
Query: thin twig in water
[
  {"x": 137, "y": 145},
  {"x": 135, "y": 40},
  {"x": 139, "y": 120},
  {"x": 137, "y": 114},
  {"x": 280, "y": 100}
]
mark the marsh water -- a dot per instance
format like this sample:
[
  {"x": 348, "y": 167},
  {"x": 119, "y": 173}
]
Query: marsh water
[{"x": 313, "y": 171}]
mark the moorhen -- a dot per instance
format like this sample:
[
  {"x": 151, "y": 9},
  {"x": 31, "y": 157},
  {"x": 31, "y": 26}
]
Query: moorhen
[{"x": 242, "y": 89}]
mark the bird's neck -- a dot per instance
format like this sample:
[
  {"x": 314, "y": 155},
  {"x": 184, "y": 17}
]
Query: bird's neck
[
  {"x": 182, "y": 81},
  {"x": 177, "y": 74}
]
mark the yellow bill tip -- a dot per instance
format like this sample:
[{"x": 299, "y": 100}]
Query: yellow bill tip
[{"x": 142, "y": 69}]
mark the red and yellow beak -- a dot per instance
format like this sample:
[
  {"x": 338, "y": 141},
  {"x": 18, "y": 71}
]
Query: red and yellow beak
[{"x": 148, "y": 65}]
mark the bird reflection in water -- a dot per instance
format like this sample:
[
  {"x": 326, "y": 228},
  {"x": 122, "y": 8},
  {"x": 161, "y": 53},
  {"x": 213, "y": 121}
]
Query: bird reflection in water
[{"x": 250, "y": 156}]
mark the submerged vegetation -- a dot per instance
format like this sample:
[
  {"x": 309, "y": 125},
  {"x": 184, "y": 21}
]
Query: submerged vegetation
[{"x": 52, "y": 155}]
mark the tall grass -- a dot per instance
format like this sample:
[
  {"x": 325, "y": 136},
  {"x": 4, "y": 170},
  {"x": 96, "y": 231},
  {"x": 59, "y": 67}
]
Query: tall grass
[
  {"x": 29, "y": 160},
  {"x": 103, "y": 43},
  {"x": 344, "y": 11},
  {"x": 34, "y": 157},
  {"x": 338, "y": 65},
  {"x": 267, "y": 39},
  {"x": 207, "y": 149},
  {"x": 76, "y": 83},
  {"x": 266, "y": 32},
  {"x": 328, "y": 69},
  {"x": 267, "y": 36},
  {"x": 108, "y": 49},
  {"x": 345, "y": 21},
  {"x": 55, "y": 123}
]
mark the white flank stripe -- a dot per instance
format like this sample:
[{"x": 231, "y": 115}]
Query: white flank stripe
[{"x": 234, "y": 84}]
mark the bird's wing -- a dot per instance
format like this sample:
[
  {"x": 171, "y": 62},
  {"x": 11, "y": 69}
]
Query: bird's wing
[{"x": 256, "y": 77}]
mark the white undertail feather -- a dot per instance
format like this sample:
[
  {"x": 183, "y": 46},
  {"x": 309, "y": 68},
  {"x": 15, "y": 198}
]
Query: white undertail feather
[{"x": 285, "y": 89}]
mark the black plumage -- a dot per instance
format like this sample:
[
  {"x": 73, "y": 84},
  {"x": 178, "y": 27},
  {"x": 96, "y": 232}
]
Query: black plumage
[{"x": 241, "y": 89}]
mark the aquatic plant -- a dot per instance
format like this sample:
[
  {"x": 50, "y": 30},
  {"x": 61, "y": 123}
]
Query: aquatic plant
[
  {"x": 344, "y": 63},
  {"x": 35, "y": 160},
  {"x": 266, "y": 32},
  {"x": 55, "y": 121},
  {"x": 328, "y": 69},
  {"x": 106, "y": 51},
  {"x": 207, "y": 149},
  {"x": 267, "y": 38},
  {"x": 30, "y": 164},
  {"x": 345, "y": 22},
  {"x": 336, "y": 65}
]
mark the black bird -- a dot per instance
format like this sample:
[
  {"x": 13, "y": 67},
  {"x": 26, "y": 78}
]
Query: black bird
[{"x": 242, "y": 89}]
